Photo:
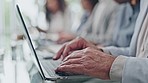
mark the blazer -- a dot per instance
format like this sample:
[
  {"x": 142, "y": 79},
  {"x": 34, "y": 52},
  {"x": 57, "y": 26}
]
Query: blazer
[
  {"x": 125, "y": 25},
  {"x": 96, "y": 29},
  {"x": 131, "y": 50},
  {"x": 110, "y": 27},
  {"x": 134, "y": 69}
]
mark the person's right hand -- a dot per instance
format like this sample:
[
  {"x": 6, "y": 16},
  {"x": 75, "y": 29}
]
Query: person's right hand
[
  {"x": 88, "y": 61},
  {"x": 76, "y": 44}
]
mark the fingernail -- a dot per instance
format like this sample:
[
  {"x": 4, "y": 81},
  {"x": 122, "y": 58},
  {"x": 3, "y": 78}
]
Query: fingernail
[{"x": 54, "y": 57}]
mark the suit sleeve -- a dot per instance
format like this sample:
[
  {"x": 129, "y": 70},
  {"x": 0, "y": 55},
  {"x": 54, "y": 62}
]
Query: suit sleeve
[
  {"x": 116, "y": 51},
  {"x": 135, "y": 71},
  {"x": 130, "y": 70}
]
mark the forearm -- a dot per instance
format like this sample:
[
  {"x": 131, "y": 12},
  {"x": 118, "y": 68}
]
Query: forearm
[{"x": 129, "y": 70}]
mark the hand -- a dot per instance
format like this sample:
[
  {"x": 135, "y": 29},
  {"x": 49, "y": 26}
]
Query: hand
[
  {"x": 65, "y": 37},
  {"x": 77, "y": 44},
  {"x": 89, "y": 62}
]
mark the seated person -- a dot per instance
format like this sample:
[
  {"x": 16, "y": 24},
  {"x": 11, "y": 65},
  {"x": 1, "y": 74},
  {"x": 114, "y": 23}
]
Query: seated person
[
  {"x": 103, "y": 24},
  {"x": 58, "y": 17},
  {"x": 88, "y": 6}
]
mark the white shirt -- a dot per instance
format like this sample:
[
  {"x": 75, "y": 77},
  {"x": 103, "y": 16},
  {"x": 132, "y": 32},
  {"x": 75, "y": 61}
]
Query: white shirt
[{"x": 60, "y": 21}]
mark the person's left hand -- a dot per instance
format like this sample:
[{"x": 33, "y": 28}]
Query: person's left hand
[
  {"x": 88, "y": 61},
  {"x": 76, "y": 44}
]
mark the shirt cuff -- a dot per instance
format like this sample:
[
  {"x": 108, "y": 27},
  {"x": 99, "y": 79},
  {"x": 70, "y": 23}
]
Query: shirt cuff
[{"x": 117, "y": 68}]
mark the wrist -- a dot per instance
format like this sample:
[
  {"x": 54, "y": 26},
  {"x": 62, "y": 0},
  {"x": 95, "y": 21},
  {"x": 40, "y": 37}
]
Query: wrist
[
  {"x": 117, "y": 68},
  {"x": 109, "y": 65}
]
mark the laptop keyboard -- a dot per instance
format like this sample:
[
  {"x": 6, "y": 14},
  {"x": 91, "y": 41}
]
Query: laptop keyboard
[{"x": 50, "y": 66}]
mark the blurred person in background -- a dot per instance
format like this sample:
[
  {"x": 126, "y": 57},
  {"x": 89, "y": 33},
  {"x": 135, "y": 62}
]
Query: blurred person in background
[
  {"x": 88, "y": 6},
  {"x": 112, "y": 23},
  {"x": 124, "y": 28},
  {"x": 58, "y": 16},
  {"x": 112, "y": 17}
]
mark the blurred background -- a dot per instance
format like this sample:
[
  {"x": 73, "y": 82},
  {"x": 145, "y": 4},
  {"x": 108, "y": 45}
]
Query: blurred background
[
  {"x": 10, "y": 30},
  {"x": 31, "y": 9},
  {"x": 50, "y": 22}
]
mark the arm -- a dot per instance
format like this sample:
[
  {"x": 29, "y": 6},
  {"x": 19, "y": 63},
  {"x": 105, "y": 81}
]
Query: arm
[
  {"x": 100, "y": 65},
  {"x": 136, "y": 71},
  {"x": 130, "y": 70},
  {"x": 86, "y": 59}
]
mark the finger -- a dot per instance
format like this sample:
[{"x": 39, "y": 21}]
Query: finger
[
  {"x": 69, "y": 49},
  {"x": 72, "y": 61},
  {"x": 66, "y": 51},
  {"x": 73, "y": 68},
  {"x": 59, "y": 53},
  {"x": 73, "y": 55},
  {"x": 72, "y": 46},
  {"x": 70, "y": 52},
  {"x": 76, "y": 44}
]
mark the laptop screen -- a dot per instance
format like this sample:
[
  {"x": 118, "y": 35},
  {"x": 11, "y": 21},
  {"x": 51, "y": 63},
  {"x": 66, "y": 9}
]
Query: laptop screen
[{"x": 28, "y": 39}]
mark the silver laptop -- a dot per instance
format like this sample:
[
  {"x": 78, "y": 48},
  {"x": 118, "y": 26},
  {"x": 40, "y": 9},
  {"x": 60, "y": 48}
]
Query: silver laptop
[{"x": 46, "y": 67}]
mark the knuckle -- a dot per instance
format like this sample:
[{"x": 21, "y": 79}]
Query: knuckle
[
  {"x": 69, "y": 61},
  {"x": 61, "y": 68},
  {"x": 81, "y": 60},
  {"x": 66, "y": 46},
  {"x": 75, "y": 52},
  {"x": 72, "y": 54},
  {"x": 87, "y": 49}
]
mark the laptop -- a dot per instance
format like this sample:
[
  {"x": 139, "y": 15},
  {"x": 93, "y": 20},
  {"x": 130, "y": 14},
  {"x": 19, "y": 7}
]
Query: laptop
[{"x": 46, "y": 67}]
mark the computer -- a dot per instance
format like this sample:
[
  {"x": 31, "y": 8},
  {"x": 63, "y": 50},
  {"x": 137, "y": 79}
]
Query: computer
[{"x": 45, "y": 67}]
